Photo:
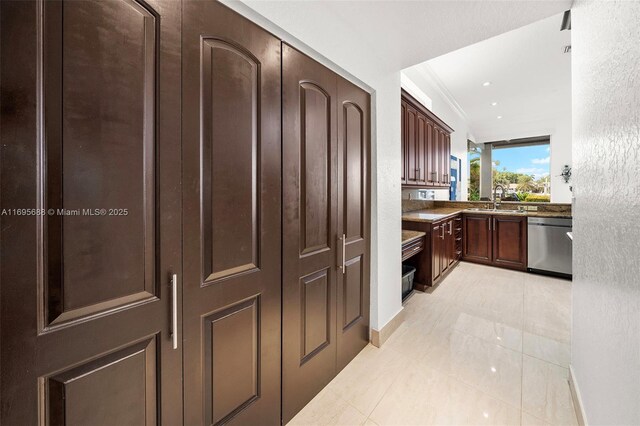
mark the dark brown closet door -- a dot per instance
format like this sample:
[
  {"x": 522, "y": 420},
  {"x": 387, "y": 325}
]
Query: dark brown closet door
[
  {"x": 86, "y": 301},
  {"x": 353, "y": 221},
  {"x": 232, "y": 220},
  {"x": 309, "y": 241}
]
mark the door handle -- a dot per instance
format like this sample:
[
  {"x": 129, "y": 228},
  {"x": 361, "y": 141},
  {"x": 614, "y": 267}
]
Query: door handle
[
  {"x": 174, "y": 310},
  {"x": 344, "y": 253}
]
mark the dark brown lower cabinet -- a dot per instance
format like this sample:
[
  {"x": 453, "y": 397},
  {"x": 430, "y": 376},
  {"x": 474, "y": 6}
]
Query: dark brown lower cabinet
[
  {"x": 509, "y": 242},
  {"x": 142, "y": 252},
  {"x": 326, "y": 227},
  {"x": 442, "y": 253},
  {"x": 497, "y": 240},
  {"x": 86, "y": 301},
  {"x": 477, "y": 238}
]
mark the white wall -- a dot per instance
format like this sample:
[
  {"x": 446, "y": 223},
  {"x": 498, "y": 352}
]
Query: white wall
[
  {"x": 386, "y": 259},
  {"x": 560, "y": 155},
  {"x": 605, "y": 355},
  {"x": 442, "y": 106}
]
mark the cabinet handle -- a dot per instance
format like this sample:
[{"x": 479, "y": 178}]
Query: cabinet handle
[
  {"x": 494, "y": 224},
  {"x": 174, "y": 310},
  {"x": 442, "y": 236},
  {"x": 489, "y": 224},
  {"x": 344, "y": 253},
  {"x": 450, "y": 227}
]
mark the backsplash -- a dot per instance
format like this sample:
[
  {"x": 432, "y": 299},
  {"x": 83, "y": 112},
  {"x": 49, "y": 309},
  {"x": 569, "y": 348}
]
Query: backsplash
[{"x": 412, "y": 205}]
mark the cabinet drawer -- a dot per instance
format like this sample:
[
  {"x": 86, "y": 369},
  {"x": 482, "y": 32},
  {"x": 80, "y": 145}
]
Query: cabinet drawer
[{"x": 412, "y": 248}]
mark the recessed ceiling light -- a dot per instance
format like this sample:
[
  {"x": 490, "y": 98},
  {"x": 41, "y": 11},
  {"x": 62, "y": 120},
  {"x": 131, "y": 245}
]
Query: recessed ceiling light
[
  {"x": 486, "y": 83},
  {"x": 494, "y": 103},
  {"x": 499, "y": 117}
]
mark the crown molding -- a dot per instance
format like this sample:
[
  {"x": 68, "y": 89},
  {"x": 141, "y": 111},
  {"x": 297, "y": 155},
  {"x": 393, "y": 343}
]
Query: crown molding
[{"x": 435, "y": 81}]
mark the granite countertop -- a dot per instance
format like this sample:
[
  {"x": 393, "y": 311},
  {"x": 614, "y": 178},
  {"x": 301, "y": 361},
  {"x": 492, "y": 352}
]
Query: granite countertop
[
  {"x": 436, "y": 214},
  {"x": 408, "y": 236}
]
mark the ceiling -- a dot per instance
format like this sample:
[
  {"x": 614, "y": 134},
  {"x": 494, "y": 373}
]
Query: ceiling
[
  {"x": 369, "y": 38},
  {"x": 530, "y": 81}
]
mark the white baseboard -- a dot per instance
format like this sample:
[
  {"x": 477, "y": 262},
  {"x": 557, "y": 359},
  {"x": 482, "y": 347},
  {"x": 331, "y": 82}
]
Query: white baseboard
[{"x": 577, "y": 399}]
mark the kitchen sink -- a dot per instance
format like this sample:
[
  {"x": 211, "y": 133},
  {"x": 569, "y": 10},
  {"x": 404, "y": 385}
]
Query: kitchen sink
[{"x": 477, "y": 209}]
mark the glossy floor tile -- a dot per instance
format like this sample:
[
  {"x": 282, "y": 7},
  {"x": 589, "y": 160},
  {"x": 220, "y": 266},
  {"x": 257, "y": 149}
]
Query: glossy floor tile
[{"x": 487, "y": 346}]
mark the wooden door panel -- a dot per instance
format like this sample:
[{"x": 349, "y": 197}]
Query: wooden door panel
[
  {"x": 315, "y": 299},
  {"x": 229, "y": 159},
  {"x": 352, "y": 294},
  {"x": 353, "y": 145},
  {"x": 477, "y": 238},
  {"x": 353, "y": 212},
  {"x": 232, "y": 227},
  {"x": 94, "y": 142},
  {"x": 123, "y": 382},
  {"x": 309, "y": 242},
  {"x": 510, "y": 242},
  {"x": 231, "y": 360},
  {"x": 315, "y": 168},
  {"x": 99, "y": 154}
]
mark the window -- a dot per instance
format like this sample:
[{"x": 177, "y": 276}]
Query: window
[{"x": 522, "y": 169}]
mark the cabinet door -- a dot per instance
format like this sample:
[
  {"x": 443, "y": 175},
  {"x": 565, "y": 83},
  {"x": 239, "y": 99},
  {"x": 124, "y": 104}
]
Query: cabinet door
[
  {"x": 310, "y": 243},
  {"x": 437, "y": 158},
  {"x": 429, "y": 153},
  {"x": 451, "y": 243},
  {"x": 421, "y": 146},
  {"x": 437, "y": 245},
  {"x": 445, "y": 251},
  {"x": 403, "y": 142},
  {"x": 232, "y": 222},
  {"x": 412, "y": 146},
  {"x": 446, "y": 159},
  {"x": 353, "y": 221},
  {"x": 86, "y": 302},
  {"x": 510, "y": 241},
  {"x": 476, "y": 238}
]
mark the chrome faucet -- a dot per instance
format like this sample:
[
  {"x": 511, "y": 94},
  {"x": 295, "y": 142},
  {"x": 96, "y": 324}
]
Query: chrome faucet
[{"x": 497, "y": 200}]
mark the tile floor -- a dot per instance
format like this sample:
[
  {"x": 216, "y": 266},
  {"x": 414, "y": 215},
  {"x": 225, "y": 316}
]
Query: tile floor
[{"x": 486, "y": 346}]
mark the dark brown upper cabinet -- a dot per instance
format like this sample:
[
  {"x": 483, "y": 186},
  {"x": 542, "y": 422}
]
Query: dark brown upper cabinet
[
  {"x": 426, "y": 146},
  {"x": 497, "y": 240}
]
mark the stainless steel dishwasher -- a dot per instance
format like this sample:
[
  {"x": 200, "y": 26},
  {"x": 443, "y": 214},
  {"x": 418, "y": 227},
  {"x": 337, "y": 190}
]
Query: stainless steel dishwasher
[{"x": 549, "y": 247}]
